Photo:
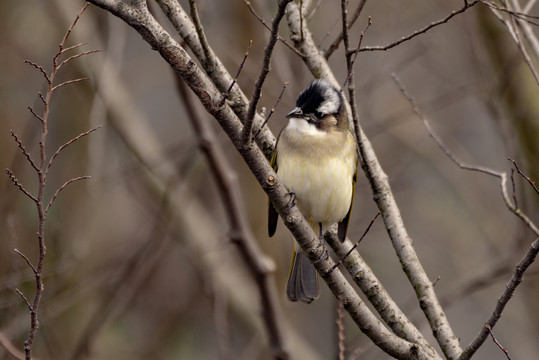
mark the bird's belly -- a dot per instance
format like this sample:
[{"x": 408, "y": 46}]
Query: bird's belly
[{"x": 323, "y": 188}]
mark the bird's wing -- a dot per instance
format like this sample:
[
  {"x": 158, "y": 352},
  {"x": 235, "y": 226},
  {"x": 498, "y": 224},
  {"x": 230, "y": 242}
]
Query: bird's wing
[
  {"x": 343, "y": 224},
  {"x": 273, "y": 216}
]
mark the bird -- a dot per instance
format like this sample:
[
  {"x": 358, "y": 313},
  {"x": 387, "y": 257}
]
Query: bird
[{"x": 315, "y": 158}]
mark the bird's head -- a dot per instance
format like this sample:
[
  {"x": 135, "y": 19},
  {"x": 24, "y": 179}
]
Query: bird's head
[{"x": 320, "y": 104}]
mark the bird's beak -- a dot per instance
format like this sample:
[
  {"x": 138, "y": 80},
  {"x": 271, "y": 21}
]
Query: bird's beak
[{"x": 297, "y": 112}]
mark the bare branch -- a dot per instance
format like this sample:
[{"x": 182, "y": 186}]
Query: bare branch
[
  {"x": 24, "y": 151},
  {"x": 25, "y": 300},
  {"x": 423, "y": 30},
  {"x": 239, "y": 103},
  {"x": 520, "y": 15},
  {"x": 513, "y": 188},
  {"x": 352, "y": 58},
  {"x": 357, "y": 242},
  {"x": 437, "y": 139},
  {"x": 272, "y": 109},
  {"x": 53, "y": 157},
  {"x": 27, "y": 260},
  {"x": 69, "y": 82},
  {"x": 43, "y": 100},
  {"x": 40, "y": 68},
  {"x": 201, "y": 35},
  {"x": 335, "y": 45},
  {"x": 16, "y": 182},
  {"x": 40, "y": 118},
  {"x": 508, "y": 292},
  {"x": 68, "y": 32},
  {"x": 263, "y": 22},
  {"x": 62, "y": 188},
  {"x": 268, "y": 51},
  {"x": 497, "y": 342},
  {"x": 530, "y": 181},
  {"x": 511, "y": 25},
  {"x": 74, "y": 47},
  {"x": 11, "y": 348},
  {"x": 375, "y": 292},
  {"x": 76, "y": 56},
  {"x": 225, "y": 95},
  {"x": 498, "y": 174}
]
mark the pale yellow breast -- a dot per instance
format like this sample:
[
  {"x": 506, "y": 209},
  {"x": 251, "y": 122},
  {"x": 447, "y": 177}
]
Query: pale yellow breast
[{"x": 319, "y": 170}]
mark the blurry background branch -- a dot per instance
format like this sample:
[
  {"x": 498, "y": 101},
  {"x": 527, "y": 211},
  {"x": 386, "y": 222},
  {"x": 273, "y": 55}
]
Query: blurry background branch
[{"x": 42, "y": 167}]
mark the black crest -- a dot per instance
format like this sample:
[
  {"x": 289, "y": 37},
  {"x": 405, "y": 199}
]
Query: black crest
[{"x": 320, "y": 98}]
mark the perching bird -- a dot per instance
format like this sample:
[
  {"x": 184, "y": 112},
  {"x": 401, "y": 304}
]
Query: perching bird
[{"x": 316, "y": 160}]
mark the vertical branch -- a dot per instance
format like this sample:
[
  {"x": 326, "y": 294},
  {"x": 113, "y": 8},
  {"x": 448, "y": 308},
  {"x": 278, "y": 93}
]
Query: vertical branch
[
  {"x": 248, "y": 125},
  {"x": 41, "y": 167},
  {"x": 392, "y": 219},
  {"x": 335, "y": 45}
]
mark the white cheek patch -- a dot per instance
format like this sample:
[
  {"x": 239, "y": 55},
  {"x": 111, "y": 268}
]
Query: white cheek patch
[
  {"x": 304, "y": 127},
  {"x": 330, "y": 105}
]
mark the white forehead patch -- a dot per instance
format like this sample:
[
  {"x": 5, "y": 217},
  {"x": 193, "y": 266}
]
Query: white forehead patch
[{"x": 332, "y": 100}]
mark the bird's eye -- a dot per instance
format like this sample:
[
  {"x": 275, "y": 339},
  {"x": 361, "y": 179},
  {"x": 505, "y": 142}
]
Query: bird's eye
[{"x": 318, "y": 114}]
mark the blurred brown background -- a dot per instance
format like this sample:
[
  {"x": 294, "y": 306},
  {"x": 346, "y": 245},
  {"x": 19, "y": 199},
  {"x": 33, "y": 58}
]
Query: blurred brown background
[{"x": 129, "y": 275}]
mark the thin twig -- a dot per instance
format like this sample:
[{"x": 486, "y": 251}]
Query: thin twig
[
  {"x": 16, "y": 182},
  {"x": 68, "y": 32},
  {"x": 76, "y": 56},
  {"x": 273, "y": 108},
  {"x": 68, "y": 82},
  {"x": 64, "y": 185},
  {"x": 497, "y": 342},
  {"x": 513, "y": 187},
  {"x": 530, "y": 181},
  {"x": 263, "y": 22},
  {"x": 40, "y": 118},
  {"x": 40, "y": 68},
  {"x": 53, "y": 157},
  {"x": 437, "y": 139},
  {"x": 25, "y": 299},
  {"x": 43, "y": 100},
  {"x": 201, "y": 35},
  {"x": 423, "y": 30},
  {"x": 264, "y": 71},
  {"x": 511, "y": 25},
  {"x": 24, "y": 151},
  {"x": 10, "y": 348},
  {"x": 313, "y": 10},
  {"x": 508, "y": 292},
  {"x": 354, "y": 56},
  {"x": 26, "y": 259},
  {"x": 520, "y": 15},
  {"x": 357, "y": 242},
  {"x": 335, "y": 45},
  {"x": 225, "y": 95},
  {"x": 74, "y": 47},
  {"x": 498, "y": 174}
]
